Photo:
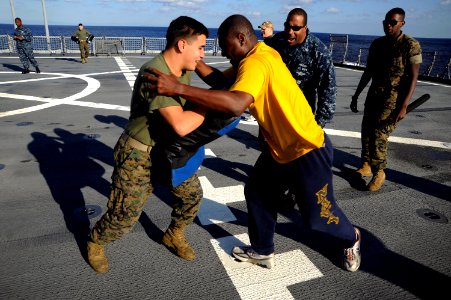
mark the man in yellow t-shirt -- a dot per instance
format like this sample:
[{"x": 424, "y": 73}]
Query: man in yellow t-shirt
[{"x": 299, "y": 154}]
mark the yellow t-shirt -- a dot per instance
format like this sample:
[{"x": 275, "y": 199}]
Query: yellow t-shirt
[{"x": 279, "y": 106}]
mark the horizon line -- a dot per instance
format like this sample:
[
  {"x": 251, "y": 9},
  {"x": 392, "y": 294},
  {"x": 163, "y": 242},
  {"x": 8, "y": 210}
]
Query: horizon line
[{"x": 443, "y": 38}]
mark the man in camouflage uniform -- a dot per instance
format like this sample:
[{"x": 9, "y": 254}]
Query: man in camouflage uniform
[
  {"x": 82, "y": 37},
  {"x": 392, "y": 66},
  {"x": 24, "y": 44},
  {"x": 154, "y": 122},
  {"x": 309, "y": 61}
]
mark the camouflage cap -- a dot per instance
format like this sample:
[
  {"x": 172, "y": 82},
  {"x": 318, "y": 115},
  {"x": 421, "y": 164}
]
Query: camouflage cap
[{"x": 266, "y": 24}]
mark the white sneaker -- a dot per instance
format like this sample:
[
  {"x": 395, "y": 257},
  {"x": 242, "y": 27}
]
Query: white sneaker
[
  {"x": 352, "y": 256},
  {"x": 246, "y": 254},
  {"x": 248, "y": 117}
]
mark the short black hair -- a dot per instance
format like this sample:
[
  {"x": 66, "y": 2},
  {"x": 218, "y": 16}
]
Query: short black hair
[
  {"x": 183, "y": 27},
  {"x": 235, "y": 24},
  {"x": 298, "y": 12},
  {"x": 80, "y": 24},
  {"x": 18, "y": 19},
  {"x": 396, "y": 11}
]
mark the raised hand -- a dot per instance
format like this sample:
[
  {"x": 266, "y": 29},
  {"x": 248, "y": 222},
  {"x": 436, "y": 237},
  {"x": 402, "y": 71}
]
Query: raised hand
[{"x": 353, "y": 105}]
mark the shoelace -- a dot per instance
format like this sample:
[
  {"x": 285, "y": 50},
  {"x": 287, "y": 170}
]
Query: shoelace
[
  {"x": 250, "y": 252},
  {"x": 349, "y": 254},
  {"x": 97, "y": 252}
]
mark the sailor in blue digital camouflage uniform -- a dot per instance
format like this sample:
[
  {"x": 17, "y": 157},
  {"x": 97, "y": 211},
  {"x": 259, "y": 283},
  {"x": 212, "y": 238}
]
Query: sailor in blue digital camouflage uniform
[
  {"x": 24, "y": 44},
  {"x": 310, "y": 63}
]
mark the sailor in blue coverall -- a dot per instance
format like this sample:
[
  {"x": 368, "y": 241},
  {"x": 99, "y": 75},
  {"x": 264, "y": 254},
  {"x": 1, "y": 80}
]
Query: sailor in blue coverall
[{"x": 24, "y": 39}]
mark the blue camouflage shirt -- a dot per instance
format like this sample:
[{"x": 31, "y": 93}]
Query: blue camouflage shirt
[
  {"x": 311, "y": 65},
  {"x": 28, "y": 37}
]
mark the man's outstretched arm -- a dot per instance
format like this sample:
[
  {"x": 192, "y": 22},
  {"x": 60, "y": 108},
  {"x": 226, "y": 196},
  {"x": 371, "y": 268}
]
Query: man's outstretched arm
[
  {"x": 366, "y": 77},
  {"x": 211, "y": 76},
  {"x": 414, "y": 70},
  {"x": 231, "y": 102}
]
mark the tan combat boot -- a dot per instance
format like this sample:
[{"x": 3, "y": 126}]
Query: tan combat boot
[
  {"x": 377, "y": 181},
  {"x": 365, "y": 170},
  {"x": 97, "y": 258},
  {"x": 174, "y": 240}
]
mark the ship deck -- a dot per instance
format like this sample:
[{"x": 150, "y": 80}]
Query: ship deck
[{"x": 58, "y": 130}]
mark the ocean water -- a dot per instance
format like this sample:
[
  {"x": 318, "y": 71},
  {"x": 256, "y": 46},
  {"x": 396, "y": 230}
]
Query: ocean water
[{"x": 355, "y": 42}]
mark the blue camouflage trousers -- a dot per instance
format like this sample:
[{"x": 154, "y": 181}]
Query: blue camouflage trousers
[
  {"x": 26, "y": 56},
  {"x": 131, "y": 188}
]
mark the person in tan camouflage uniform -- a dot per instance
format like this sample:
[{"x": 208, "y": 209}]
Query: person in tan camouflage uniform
[
  {"x": 82, "y": 37},
  {"x": 393, "y": 65},
  {"x": 155, "y": 120}
]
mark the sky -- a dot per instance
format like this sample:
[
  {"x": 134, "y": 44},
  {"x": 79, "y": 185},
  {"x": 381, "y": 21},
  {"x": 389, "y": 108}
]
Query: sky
[{"x": 424, "y": 18}]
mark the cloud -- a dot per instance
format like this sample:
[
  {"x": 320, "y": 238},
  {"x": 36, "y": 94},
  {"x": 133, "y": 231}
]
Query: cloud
[
  {"x": 445, "y": 2},
  {"x": 332, "y": 10},
  {"x": 298, "y": 3},
  {"x": 172, "y": 5},
  {"x": 131, "y": 1},
  {"x": 181, "y": 3}
]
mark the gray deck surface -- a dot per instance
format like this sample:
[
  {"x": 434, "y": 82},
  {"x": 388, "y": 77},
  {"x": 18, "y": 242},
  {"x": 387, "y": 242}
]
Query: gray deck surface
[{"x": 58, "y": 129}]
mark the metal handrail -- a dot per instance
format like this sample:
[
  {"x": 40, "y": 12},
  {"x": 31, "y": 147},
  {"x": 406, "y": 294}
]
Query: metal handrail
[{"x": 63, "y": 45}]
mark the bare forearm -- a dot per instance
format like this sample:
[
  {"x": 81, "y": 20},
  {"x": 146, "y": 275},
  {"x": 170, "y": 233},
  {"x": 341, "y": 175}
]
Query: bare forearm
[
  {"x": 366, "y": 77},
  {"x": 413, "y": 83},
  {"x": 211, "y": 76},
  {"x": 188, "y": 122},
  {"x": 183, "y": 121},
  {"x": 230, "y": 102},
  {"x": 202, "y": 69},
  {"x": 224, "y": 101}
]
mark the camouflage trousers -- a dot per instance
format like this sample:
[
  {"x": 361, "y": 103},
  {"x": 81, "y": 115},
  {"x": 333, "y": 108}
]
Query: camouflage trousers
[
  {"x": 376, "y": 128},
  {"x": 84, "y": 49},
  {"x": 26, "y": 56},
  {"x": 131, "y": 188}
]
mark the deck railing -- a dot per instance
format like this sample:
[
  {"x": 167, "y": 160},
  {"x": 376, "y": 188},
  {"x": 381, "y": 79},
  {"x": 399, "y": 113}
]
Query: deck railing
[
  {"x": 101, "y": 45},
  {"x": 338, "y": 47}
]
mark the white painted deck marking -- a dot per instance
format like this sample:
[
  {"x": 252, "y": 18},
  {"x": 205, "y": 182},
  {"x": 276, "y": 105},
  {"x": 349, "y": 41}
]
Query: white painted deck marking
[
  {"x": 425, "y": 82},
  {"x": 123, "y": 64},
  {"x": 209, "y": 153},
  {"x": 251, "y": 282},
  {"x": 213, "y": 209},
  {"x": 394, "y": 139},
  {"x": 95, "y": 85},
  {"x": 254, "y": 282},
  {"x": 51, "y": 78}
]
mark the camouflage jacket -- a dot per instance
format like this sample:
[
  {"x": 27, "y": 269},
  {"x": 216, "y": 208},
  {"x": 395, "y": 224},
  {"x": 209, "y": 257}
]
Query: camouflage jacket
[
  {"x": 311, "y": 65},
  {"x": 389, "y": 64},
  {"x": 28, "y": 37},
  {"x": 82, "y": 35}
]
